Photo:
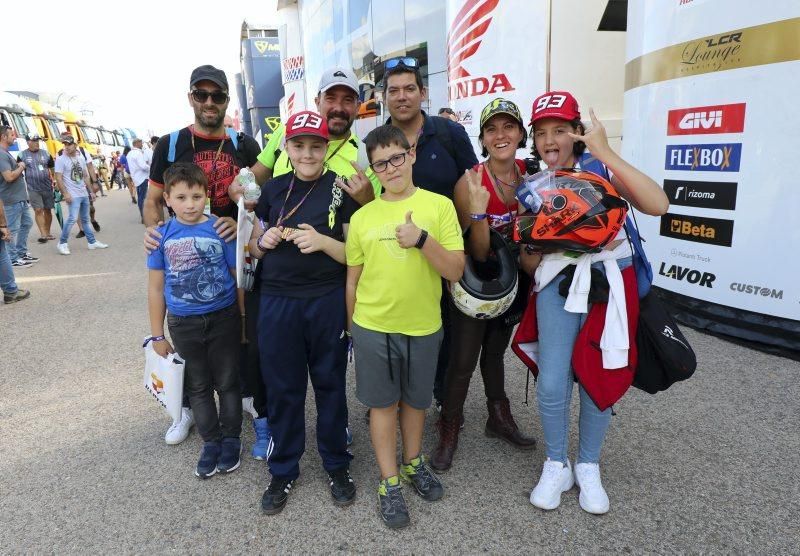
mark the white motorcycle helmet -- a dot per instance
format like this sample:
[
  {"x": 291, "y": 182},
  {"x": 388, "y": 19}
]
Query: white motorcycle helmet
[{"x": 486, "y": 297}]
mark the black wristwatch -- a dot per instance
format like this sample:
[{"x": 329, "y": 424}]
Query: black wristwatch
[{"x": 421, "y": 241}]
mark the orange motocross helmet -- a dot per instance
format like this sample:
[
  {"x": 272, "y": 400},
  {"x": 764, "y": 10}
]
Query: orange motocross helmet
[{"x": 571, "y": 210}]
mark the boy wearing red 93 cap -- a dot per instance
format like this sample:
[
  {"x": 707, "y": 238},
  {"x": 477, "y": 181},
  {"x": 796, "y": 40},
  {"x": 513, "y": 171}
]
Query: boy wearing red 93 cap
[{"x": 302, "y": 221}]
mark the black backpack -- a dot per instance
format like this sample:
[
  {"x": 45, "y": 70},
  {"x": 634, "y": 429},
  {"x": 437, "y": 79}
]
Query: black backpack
[{"x": 665, "y": 357}]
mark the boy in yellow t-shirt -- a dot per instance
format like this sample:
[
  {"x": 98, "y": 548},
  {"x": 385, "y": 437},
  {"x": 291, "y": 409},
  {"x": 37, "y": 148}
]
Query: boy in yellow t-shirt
[{"x": 399, "y": 247}]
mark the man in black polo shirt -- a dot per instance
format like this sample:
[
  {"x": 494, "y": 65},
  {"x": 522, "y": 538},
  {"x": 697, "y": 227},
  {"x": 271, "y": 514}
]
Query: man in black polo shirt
[
  {"x": 444, "y": 154},
  {"x": 221, "y": 153}
]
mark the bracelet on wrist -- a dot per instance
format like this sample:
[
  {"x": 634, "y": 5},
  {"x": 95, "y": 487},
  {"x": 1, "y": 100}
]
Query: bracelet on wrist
[
  {"x": 258, "y": 243},
  {"x": 478, "y": 216},
  {"x": 153, "y": 339},
  {"x": 421, "y": 241}
]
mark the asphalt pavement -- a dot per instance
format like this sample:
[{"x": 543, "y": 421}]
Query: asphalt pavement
[{"x": 709, "y": 466}]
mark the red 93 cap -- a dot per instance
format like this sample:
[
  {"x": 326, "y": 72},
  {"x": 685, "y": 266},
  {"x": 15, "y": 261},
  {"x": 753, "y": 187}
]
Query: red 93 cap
[
  {"x": 555, "y": 104},
  {"x": 306, "y": 123}
]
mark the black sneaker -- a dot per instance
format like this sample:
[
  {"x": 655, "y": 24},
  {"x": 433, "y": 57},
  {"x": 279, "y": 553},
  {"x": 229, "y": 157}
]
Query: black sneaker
[
  {"x": 207, "y": 464},
  {"x": 19, "y": 263},
  {"x": 343, "y": 489},
  {"x": 30, "y": 258},
  {"x": 274, "y": 498},
  {"x": 427, "y": 485},
  {"x": 18, "y": 295},
  {"x": 229, "y": 458},
  {"x": 391, "y": 504},
  {"x": 80, "y": 234}
]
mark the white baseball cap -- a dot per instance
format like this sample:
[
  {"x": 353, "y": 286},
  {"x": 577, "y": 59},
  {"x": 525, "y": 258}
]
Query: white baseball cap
[{"x": 338, "y": 76}]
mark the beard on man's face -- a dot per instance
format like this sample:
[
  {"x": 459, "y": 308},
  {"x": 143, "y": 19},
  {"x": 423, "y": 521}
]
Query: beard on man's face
[
  {"x": 207, "y": 119},
  {"x": 339, "y": 127}
]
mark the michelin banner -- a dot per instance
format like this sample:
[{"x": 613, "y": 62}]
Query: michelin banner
[
  {"x": 495, "y": 48},
  {"x": 711, "y": 114}
]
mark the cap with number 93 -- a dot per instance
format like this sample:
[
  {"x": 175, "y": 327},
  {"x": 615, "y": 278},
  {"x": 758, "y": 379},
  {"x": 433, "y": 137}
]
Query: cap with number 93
[
  {"x": 306, "y": 123},
  {"x": 555, "y": 104}
]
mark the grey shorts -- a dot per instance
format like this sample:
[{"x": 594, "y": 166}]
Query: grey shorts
[
  {"x": 394, "y": 367},
  {"x": 41, "y": 200}
]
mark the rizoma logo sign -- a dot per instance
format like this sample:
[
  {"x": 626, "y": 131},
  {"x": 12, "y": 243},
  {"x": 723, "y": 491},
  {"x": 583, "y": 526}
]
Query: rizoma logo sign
[
  {"x": 680, "y": 273},
  {"x": 714, "y": 231},
  {"x": 749, "y": 289},
  {"x": 463, "y": 41},
  {"x": 702, "y": 194},
  {"x": 703, "y": 120},
  {"x": 704, "y": 158}
]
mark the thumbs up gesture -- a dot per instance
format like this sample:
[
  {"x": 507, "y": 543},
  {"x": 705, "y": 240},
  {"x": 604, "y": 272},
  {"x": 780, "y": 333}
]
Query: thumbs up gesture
[{"x": 407, "y": 233}]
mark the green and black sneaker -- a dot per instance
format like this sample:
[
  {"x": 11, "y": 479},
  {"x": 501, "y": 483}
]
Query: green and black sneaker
[
  {"x": 391, "y": 504},
  {"x": 417, "y": 473}
]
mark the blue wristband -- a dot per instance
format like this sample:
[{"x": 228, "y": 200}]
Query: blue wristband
[
  {"x": 153, "y": 339},
  {"x": 477, "y": 217}
]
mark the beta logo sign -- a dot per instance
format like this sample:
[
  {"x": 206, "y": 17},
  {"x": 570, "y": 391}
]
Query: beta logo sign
[
  {"x": 723, "y": 157},
  {"x": 703, "y": 120},
  {"x": 714, "y": 231}
]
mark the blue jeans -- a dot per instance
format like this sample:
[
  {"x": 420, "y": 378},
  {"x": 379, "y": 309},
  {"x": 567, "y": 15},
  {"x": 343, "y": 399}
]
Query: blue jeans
[
  {"x": 141, "y": 193},
  {"x": 19, "y": 224},
  {"x": 557, "y": 332},
  {"x": 79, "y": 205},
  {"x": 7, "y": 283}
]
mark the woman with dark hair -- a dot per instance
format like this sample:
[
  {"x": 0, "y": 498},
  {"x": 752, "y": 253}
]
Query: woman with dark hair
[{"x": 488, "y": 202}]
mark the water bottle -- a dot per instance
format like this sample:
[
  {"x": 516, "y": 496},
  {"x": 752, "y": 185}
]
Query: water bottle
[{"x": 248, "y": 180}]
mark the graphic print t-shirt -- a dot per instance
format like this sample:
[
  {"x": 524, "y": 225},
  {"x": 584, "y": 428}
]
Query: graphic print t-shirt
[
  {"x": 74, "y": 174},
  {"x": 196, "y": 265},
  {"x": 220, "y": 169}
]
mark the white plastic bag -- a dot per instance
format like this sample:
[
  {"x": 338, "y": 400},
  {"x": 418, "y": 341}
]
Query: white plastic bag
[
  {"x": 245, "y": 264},
  {"x": 163, "y": 378}
]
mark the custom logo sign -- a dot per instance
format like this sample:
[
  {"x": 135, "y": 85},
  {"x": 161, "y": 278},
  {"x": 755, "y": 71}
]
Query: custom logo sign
[
  {"x": 714, "y": 231},
  {"x": 703, "y": 120},
  {"x": 724, "y": 157},
  {"x": 680, "y": 273},
  {"x": 756, "y": 290},
  {"x": 701, "y": 194},
  {"x": 463, "y": 41}
]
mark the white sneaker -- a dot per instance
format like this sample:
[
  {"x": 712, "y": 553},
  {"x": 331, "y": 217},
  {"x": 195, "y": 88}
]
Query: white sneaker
[
  {"x": 179, "y": 430},
  {"x": 593, "y": 497},
  {"x": 247, "y": 407},
  {"x": 63, "y": 248},
  {"x": 97, "y": 245},
  {"x": 556, "y": 478}
]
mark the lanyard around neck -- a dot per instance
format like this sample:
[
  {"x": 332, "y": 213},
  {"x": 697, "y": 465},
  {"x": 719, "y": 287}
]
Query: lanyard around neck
[{"x": 281, "y": 217}]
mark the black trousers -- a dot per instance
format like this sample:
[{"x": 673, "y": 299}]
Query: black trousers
[
  {"x": 252, "y": 381},
  {"x": 209, "y": 344}
]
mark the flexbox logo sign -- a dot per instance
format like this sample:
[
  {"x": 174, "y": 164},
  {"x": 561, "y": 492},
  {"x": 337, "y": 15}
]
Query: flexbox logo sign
[
  {"x": 680, "y": 273},
  {"x": 701, "y": 194},
  {"x": 703, "y": 120},
  {"x": 749, "y": 289},
  {"x": 724, "y": 157},
  {"x": 463, "y": 41},
  {"x": 714, "y": 231}
]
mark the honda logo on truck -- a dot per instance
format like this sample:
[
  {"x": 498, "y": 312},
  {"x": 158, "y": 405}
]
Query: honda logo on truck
[
  {"x": 463, "y": 41},
  {"x": 703, "y": 120}
]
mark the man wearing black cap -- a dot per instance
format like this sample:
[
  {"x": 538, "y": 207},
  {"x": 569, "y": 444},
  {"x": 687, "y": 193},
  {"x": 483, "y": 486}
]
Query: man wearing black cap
[
  {"x": 39, "y": 177},
  {"x": 220, "y": 153}
]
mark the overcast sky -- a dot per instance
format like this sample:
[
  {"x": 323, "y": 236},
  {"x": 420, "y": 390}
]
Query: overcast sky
[{"x": 130, "y": 61}]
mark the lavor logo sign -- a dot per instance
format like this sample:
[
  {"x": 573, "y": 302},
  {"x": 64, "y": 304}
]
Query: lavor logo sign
[
  {"x": 714, "y": 231},
  {"x": 703, "y": 120},
  {"x": 681, "y": 273},
  {"x": 704, "y": 158}
]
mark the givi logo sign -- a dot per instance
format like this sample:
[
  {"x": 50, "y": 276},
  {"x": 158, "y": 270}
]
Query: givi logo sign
[
  {"x": 463, "y": 41},
  {"x": 704, "y": 120}
]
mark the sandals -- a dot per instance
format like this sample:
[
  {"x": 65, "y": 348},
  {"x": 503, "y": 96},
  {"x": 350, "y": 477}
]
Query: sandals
[{"x": 42, "y": 240}]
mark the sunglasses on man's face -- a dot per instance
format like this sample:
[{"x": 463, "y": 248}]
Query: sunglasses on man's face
[
  {"x": 201, "y": 96},
  {"x": 406, "y": 61}
]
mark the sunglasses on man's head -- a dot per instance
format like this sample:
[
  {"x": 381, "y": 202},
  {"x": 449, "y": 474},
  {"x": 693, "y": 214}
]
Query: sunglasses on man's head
[
  {"x": 406, "y": 61},
  {"x": 217, "y": 97}
]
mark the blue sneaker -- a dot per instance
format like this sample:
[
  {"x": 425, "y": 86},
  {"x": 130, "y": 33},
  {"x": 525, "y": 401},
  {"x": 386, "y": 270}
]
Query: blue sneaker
[
  {"x": 263, "y": 438},
  {"x": 207, "y": 465},
  {"x": 229, "y": 460}
]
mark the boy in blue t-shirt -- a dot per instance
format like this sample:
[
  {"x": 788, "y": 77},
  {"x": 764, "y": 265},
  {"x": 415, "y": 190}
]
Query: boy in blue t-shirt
[{"x": 192, "y": 274}]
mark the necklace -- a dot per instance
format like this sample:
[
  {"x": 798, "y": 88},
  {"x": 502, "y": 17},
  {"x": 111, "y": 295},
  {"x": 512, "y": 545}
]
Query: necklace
[
  {"x": 216, "y": 156},
  {"x": 281, "y": 217},
  {"x": 497, "y": 183}
]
